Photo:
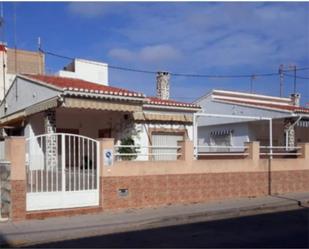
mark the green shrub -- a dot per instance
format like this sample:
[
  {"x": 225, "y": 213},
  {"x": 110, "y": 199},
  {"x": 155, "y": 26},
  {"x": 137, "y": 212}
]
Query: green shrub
[{"x": 127, "y": 150}]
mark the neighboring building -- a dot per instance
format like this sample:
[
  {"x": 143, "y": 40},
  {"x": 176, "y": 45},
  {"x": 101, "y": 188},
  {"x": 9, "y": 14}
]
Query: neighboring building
[
  {"x": 92, "y": 71},
  {"x": 16, "y": 61},
  {"x": 290, "y": 121}
]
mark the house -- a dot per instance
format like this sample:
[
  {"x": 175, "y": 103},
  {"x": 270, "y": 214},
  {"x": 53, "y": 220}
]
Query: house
[
  {"x": 59, "y": 167},
  {"x": 290, "y": 121},
  {"x": 44, "y": 104}
]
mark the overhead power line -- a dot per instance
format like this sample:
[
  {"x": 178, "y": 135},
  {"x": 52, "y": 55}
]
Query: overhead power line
[
  {"x": 177, "y": 74},
  {"x": 298, "y": 77}
]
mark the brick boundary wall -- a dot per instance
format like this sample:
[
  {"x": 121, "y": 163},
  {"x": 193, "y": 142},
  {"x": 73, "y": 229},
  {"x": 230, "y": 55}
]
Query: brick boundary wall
[
  {"x": 62, "y": 212},
  {"x": 18, "y": 199},
  {"x": 159, "y": 183},
  {"x": 158, "y": 190}
]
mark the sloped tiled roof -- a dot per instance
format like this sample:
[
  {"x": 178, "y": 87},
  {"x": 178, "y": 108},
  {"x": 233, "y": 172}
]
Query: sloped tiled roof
[
  {"x": 82, "y": 85},
  {"x": 291, "y": 108},
  {"x": 73, "y": 84}
]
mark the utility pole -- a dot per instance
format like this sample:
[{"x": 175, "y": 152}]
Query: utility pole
[
  {"x": 281, "y": 76},
  {"x": 4, "y": 52},
  {"x": 294, "y": 67}
]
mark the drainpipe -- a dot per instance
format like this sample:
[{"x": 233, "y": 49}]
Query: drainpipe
[
  {"x": 195, "y": 135},
  {"x": 271, "y": 138},
  {"x": 287, "y": 132}
]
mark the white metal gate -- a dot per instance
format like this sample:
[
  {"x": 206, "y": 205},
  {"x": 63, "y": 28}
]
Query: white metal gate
[{"x": 62, "y": 171}]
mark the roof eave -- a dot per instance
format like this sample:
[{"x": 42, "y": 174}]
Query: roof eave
[
  {"x": 90, "y": 94},
  {"x": 155, "y": 106},
  {"x": 254, "y": 106}
]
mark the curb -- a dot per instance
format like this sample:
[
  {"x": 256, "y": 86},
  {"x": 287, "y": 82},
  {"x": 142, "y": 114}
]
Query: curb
[
  {"x": 170, "y": 221},
  {"x": 230, "y": 213}
]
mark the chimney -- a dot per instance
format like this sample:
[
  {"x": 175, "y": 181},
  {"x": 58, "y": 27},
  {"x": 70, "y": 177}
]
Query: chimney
[
  {"x": 163, "y": 85},
  {"x": 295, "y": 98}
]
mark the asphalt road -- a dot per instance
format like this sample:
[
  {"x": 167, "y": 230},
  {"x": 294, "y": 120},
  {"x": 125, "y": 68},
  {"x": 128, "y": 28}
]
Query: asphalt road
[{"x": 284, "y": 229}]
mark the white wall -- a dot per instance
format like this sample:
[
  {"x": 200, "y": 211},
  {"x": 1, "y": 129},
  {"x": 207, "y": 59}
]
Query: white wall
[
  {"x": 92, "y": 71},
  {"x": 34, "y": 125},
  {"x": 24, "y": 93},
  {"x": 239, "y": 135}
]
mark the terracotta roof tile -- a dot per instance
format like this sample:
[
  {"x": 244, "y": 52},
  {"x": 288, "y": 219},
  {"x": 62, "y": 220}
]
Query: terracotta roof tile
[
  {"x": 72, "y": 84},
  {"x": 158, "y": 101},
  {"x": 82, "y": 85},
  {"x": 274, "y": 106},
  {"x": 2, "y": 47}
]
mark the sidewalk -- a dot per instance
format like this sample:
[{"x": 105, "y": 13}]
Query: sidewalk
[{"x": 62, "y": 228}]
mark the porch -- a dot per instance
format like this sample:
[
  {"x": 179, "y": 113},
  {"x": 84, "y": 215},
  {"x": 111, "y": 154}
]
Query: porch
[{"x": 225, "y": 136}]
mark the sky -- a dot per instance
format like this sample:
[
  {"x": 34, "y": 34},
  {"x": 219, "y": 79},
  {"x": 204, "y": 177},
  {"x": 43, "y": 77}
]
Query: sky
[{"x": 215, "y": 38}]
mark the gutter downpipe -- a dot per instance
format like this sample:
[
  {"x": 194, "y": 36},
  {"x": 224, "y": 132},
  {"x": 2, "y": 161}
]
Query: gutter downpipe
[
  {"x": 271, "y": 138},
  {"x": 195, "y": 135}
]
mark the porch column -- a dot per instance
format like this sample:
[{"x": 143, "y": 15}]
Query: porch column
[{"x": 51, "y": 141}]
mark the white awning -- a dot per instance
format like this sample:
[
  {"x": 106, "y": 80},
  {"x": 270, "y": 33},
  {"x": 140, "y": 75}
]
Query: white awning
[
  {"x": 221, "y": 132},
  {"x": 303, "y": 123}
]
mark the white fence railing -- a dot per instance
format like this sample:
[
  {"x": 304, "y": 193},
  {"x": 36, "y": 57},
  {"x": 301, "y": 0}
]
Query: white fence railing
[
  {"x": 147, "y": 153},
  {"x": 280, "y": 151},
  {"x": 217, "y": 150}
]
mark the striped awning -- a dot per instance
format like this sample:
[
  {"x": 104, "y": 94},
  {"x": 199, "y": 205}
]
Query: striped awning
[
  {"x": 12, "y": 118},
  {"x": 101, "y": 105},
  {"x": 51, "y": 103},
  {"x": 42, "y": 106},
  {"x": 181, "y": 118},
  {"x": 303, "y": 123},
  {"x": 221, "y": 132}
]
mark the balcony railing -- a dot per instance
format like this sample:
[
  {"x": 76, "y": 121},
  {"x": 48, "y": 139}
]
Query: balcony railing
[
  {"x": 148, "y": 153},
  {"x": 204, "y": 151}
]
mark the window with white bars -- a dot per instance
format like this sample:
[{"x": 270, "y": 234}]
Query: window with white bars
[
  {"x": 220, "y": 139},
  {"x": 165, "y": 139}
]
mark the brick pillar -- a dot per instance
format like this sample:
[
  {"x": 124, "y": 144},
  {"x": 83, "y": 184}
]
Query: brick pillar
[
  {"x": 253, "y": 149},
  {"x": 304, "y": 151},
  {"x": 50, "y": 128},
  {"x": 15, "y": 152},
  {"x": 187, "y": 151},
  {"x": 104, "y": 143}
]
